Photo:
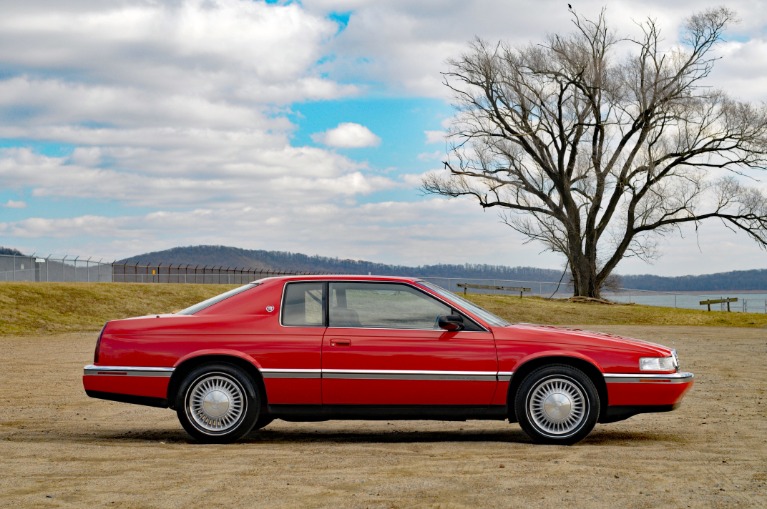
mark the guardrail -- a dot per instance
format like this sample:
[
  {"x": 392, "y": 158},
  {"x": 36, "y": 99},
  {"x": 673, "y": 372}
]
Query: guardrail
[{"x": 520, "y": 289}]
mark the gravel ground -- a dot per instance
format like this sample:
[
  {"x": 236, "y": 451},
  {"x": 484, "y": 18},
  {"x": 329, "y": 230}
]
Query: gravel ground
[{"x": 59, "y": 448}]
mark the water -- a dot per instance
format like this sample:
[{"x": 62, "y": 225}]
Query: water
[
  {"x": 749, "y": 302},
  {"x": 752, "y": 302}
]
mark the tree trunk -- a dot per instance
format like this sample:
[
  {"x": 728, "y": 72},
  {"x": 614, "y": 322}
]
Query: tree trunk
[{"x": 584, "y": 272}]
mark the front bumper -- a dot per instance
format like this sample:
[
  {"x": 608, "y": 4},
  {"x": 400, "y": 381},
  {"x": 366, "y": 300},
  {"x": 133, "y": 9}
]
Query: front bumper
[{"x": 640, "y": 389}]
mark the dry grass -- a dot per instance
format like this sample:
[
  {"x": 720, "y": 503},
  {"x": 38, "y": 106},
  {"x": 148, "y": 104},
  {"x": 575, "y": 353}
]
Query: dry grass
[{"x": 37, "y": 308}]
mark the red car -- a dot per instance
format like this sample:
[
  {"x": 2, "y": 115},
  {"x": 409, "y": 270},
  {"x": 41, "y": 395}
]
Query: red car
[{"x": 311, "y": 348}]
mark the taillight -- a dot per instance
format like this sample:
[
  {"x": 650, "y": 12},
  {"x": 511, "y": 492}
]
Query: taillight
[{"x": 98, "y": 346}]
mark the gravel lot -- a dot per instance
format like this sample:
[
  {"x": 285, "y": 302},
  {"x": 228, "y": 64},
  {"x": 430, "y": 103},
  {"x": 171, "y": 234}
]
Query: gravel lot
[{"x": 59, "y": 448}]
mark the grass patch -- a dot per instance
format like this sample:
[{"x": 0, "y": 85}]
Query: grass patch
[
  {"x": 35, "y": 308},
  {"x": 44, "y": 308}
]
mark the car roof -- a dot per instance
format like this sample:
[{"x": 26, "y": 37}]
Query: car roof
[{"x": 342, "y": 277}]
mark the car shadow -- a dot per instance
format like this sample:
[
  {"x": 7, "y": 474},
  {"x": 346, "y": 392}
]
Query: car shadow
[
  {"x": 384, "y": 437},
  {"x": 598, "y": 438}
]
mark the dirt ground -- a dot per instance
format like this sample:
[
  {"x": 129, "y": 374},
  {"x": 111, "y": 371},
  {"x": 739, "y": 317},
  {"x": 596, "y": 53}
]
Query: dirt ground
[{"x": 58, "y": 448}]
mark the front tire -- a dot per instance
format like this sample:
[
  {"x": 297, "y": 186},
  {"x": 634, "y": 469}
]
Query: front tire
[
  {"x": 557, "y": 404},
  {"x": 217, "y": 403}
]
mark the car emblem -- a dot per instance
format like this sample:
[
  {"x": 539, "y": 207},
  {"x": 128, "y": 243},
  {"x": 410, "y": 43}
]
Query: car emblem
[{"x": 269, "y": 309}]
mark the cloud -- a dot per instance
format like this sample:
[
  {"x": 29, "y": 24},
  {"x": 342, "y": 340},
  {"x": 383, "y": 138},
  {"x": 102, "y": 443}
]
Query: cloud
[
  {"x": 347, "y": 135},
  {"x": 14, "y": 204},
  {"x": 272, "y": 177},
  {"x": 435, "y": 136}
]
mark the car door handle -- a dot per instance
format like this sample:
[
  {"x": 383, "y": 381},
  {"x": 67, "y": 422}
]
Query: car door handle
[{"x": 340, "y": 342}]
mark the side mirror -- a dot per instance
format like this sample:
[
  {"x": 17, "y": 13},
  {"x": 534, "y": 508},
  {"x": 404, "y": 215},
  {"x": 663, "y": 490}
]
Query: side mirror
[{"x": 451, "y": 323}]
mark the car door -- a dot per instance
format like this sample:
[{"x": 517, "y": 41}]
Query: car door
[
  {"x": 292, "y": 369},
  {"x": 382, "y": 347}
]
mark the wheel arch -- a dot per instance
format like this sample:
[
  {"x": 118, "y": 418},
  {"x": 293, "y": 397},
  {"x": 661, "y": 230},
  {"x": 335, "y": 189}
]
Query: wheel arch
[
  {"x": 188, "y": 365},
  {"x": 528, "y": 367}
]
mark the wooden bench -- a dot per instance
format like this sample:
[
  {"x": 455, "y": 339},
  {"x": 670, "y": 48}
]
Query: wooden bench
[{"x": 719, "y": 301}]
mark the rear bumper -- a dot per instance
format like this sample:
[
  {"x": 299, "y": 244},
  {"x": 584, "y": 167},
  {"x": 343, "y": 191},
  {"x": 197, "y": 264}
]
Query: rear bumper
[{"x": 144, "y": 385}]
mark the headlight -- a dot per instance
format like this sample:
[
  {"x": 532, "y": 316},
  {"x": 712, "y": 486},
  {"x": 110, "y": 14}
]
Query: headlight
[{"x": 659, "y": 363}]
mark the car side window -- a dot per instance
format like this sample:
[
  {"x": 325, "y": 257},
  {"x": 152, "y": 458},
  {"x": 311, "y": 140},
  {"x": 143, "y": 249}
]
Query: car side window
[
  {"x": 382, "y": 305},
  {"x": 302, "y": 305}
]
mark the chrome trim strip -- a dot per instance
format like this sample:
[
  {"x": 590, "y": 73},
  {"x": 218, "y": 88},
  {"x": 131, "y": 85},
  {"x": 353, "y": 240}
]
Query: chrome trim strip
[
  {"x": 374, "y": 374},
  {"x": 627, "y": 378},
  {"x": 380, "y": 374},
  {"x": 336, "y": 374},
  {"x": 291, "y": 373},
  {"x": 92, "y": 370}
]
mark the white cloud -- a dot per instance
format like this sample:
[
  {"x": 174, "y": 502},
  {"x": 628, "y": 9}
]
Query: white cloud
[
  {"x": 274, "y": 177},
  {"x": 435, "y": 136},
  {"x": 15, "y": 204},
  {"x": 437, "y": 155},
  {"x": 347, "y": 135},
  {"x": 406, "y": 44}
]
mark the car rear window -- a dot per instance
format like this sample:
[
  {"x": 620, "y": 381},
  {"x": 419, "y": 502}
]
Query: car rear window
[{"x": 215, "y": 300}]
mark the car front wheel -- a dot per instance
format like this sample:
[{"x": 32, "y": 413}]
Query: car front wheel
[
  {"x": 217, "y": 403},
  {"x": 557, "y": 404}
]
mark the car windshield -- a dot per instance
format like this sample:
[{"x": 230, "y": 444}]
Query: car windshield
[
  {"x": 215, "y": 300},
  {"x": 470, "y": 306}
]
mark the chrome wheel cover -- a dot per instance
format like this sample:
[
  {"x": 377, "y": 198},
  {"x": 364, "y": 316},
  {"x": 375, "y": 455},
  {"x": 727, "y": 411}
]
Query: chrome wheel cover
[
  {"x": 216, "y": 403},
  {"x": 557, "y": 406}
]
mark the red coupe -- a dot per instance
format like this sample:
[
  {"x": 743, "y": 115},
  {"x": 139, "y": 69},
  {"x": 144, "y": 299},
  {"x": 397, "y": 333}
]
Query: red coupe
[{"x": 311, "y": 348}]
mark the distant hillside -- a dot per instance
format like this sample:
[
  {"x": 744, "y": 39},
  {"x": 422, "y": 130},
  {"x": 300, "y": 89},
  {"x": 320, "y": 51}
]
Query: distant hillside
[
  {"x": 294, "y": 262},
  {"x": 744, "y": 280},
  {"x": 10, "y": 251}
]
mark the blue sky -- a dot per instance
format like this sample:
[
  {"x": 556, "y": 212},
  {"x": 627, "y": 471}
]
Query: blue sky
[{"x": 132, "y": 126}]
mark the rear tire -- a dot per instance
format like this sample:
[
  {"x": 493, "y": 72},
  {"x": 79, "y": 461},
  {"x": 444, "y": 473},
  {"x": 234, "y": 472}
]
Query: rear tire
[
  {"x": 557, "y": 404},
  {"x": 217, "y": 404}
]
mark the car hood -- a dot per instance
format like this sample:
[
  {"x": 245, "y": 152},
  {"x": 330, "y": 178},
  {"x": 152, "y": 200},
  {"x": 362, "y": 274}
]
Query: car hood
[{"x": 571, "y": 336}]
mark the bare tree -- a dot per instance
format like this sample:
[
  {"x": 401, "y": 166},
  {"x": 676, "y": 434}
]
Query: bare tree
[{"x": 596, "y": 145}]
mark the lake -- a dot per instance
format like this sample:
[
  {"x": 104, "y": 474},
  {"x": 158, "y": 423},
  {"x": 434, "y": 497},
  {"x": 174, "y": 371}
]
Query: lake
[{"x": 747, "y": 302}]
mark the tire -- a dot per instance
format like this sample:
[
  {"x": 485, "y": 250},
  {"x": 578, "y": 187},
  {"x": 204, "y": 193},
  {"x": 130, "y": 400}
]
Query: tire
[
  {"x": 557, "y": 404},
  {"x": 217, "y": 404},
  {"x": 263, "y": 421}
]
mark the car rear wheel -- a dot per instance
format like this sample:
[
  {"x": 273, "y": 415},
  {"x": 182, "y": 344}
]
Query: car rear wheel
[
  {"x": 557, "y": 404},
  {"x": 217, "y": 403}
]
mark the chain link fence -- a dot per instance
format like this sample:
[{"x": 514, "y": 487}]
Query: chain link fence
[
  {"x": 88, "y": 270},
  {"x": 50, "y": 269},
  {"x": 181, "y": 273}
]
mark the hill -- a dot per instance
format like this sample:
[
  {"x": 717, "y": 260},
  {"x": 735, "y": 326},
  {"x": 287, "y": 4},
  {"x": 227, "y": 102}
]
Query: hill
[
  {"x": 295, "y": 262},
  {"x": 741, "y": 280},
  {"x": 745, "y": 280}
]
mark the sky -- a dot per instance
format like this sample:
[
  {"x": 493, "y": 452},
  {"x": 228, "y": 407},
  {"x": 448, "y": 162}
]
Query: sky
[{"x": 132, "y": 126}]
